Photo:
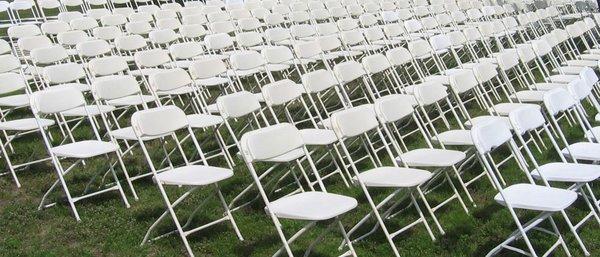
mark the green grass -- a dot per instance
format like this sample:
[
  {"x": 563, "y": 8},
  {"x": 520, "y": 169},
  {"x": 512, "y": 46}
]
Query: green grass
[{"x": 109, "y": 229}]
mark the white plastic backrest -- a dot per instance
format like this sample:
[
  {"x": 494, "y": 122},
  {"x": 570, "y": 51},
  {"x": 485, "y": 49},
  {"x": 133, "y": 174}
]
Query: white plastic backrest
[
  {"x": 138, "y": 27},
  {"x": 238, "y": 14},
  {"x": 54, "y": 27},
  {"x": 352, "y": 37},
  {"x": 307, "y": 49},
  {"x": 97, "y": 13},
  {"x": 71, "y": 38},
  {"x": 207, "y": 68},
  {"x": 439, "y": 42},
  {"x": 541, "y": 47},
  {"x": 558, "y": 100},
  {"x": 303, "y": 30},
  {"x": 85, "y": 23},
  {"x": 124, "y": 10},
  {"x": 218, "y": 16},
  {"x": 430, "y": 92},
  {"x": 23, "y": 31},
  {"x": 194, "y": 19},
  {"x": 277, "y": 34},
  {"x": 107, "y": 33},
  {"x": 54, "y": 100},
  {"x": 348, "y": 71},
  {"x": 398, "y": 56},
  {"x": 462, "y": 81},
  {"x": 186, "y": 50},
  {"x": 281, "y": 92},
  {"x": 46, "y": 55},
  {"x": 168, "y": 23},
  {"x": 5, "y": 47},
  {"x": 392, "y": 108},
  {"x": 526, "y": 118},
  {"x": 113, "y": 20},
  {"x": 151, "y": 58},
  {"x": 164, "y": 14},
  {"x": 589, "y": 76},
  {"x": 30, "y": 43},
  {"x": 277, "y": 54},
  {"x": 248, "y": 39},
  {"x": 130, "y": 42},
  {"x": 419, "y": 48},
  {"x": 413, "y": 25},
  {"x": 318, "y": 80},
  {"x": 266, "y": 143},
  {"x": 63, "y": 73},
  {"x": 169, "y": 79},
  {"x": 508, "y": 59},
  {"x": 69, "y": 16},
  {"x": 560, "y": 35},
  {"x": 248, "y": 24},
  {"x": 218, "y": 41},
  {"x": 162, "y": 36},
  {"x": 526, "y": 53},
  {"x": 274, "y": 19},
  {"x": 299, "y": 16},
  {"x": 329, "y": 43},
  {"x": 158, "y": 121},
  {"x": 222, "y": 27},
  {"x": 489, "y": 135},
  {"x": 579, "y": 89},
  {"x": 354, "y": 121},
  {"x": 429, "y": 23},
  {"x": 10, "y": 82},
  {"x": 192, "y": 31},
  {"x": 246, "y": 60},
  {"x": 485, "y": 71},
  {"x": 115, "y": 87},
  {"x": 347, "y": 24},
  {"x": 93, "y": 48},
  {"x": 107, "y": 65},
  {"x": 573, "y": 30},
  {"x": 367, "y": 19},
  {"x": 9, "y": 62},
  {"x": 375, "y": 63},
  {"x": 237, "y": 104},
  {"x": 457, "y": 38},
  {"x": 374, "y": 33}
]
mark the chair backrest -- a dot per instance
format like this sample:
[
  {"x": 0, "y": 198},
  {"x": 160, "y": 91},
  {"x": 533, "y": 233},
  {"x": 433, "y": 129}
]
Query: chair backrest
[
  {"x": 9, "y": 62},
  {"x": 392, "y": 108},
  {"x": 430, "y": 92},
  {"x": 318, "y": 80},
  {"x": 63, "y": 73},
  {"x": 21, "y": 31},
  {"x": 526, "y": 119},
  {"x": 344, "y": 122},
  {"x": 579, "y": 89},
  {"x": 348, "y": 71},
  {"x": 85, "y": 23},
  {"x": 72, "y": 38},
  {"x": 218, "y": 41},
  {"x": 462, "y": 81},
  {"x": 93, "y": 48},
  {"x": 109, "y": 33},
  {"x": 277, "y": 54},
  {"x": 151, "y": 58},
  {"x": 246, "y": 60},
  {"x": 207, "y": 68},
  {"x": 54, "y": 27},
  {"x": 186, "y": 50},
  {"x": 158, "y": 121},
  {"x": 11, "y": 82},
  {"x": 489, "y": 135},
  {"x": 557, "y": 101},
  {"x": 115, "y": 87},
  {"x": 192, "y": 31},
  {"x": 169, "y": 79},
  {"x": 55, "y": 100},
  {"x": 237, "y": 104},
  {"x": 398, "y": 56},
  {"x": 130, "y": 43},
  {"x": 48, "y": 55},
  {"x": 268, "y": 142},
  {"x": 32, "y": 42},
  {"x": 162, "y": 36},
  {"x": 108, "y": 65},
  {"x": 375, "y": 63},
  {"x": 281, "y": 92}
]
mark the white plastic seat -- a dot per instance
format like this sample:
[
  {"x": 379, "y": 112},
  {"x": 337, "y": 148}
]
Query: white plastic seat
[
  {"x": 312, "y": 206},
  {"x": 204, "y": 120},
  {"x": 25, "y": 124},
  {"x": 537, "y": 198},
  {"x": 430, "y": 157},
  {"x": 318, "y": 136},
  {"x": 583, "y": 151},
  {"x": 92, "y": 110},
  {"x": 131, "y": 100},
  {"x": 84, "y": 149},
  {"x": 194, "y": 175},
  {"x": 14, "y": 100},
  {"x": 567, "y": 172},
  {"x": 454, "y": 137},
  {"x": 394, "y": 177},
  {"x": 562, "y": 78},
  {"x": 505, "y": 108}
]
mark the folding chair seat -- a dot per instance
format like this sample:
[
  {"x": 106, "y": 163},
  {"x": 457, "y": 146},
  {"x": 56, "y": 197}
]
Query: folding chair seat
[
  {"x": 274, "y": 20},
  {"x": 249, "y": 24},
  {"x": 543, "y": 199},
  {"x": 5, "y": 47},
  {"x": 287, "y": 207},
  {"x": 138, "y": 28},
  {"x": 338, "y": 12},
  {"x": 260, "y": 13},
  {"x": 58, "y": 100},
  {"x": 109, "y": 33},
  {"x": 218, "y": 16},
  {"x": 164, "y": 14},
  {"x": 190, "y": 176},
  {"x": 193, "y": 32},
  {"x": 126, "y": 11}
]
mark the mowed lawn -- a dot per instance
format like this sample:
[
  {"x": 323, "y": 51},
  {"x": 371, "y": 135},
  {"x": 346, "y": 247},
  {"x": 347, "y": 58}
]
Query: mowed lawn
[{"x": 109, "y": 229}]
